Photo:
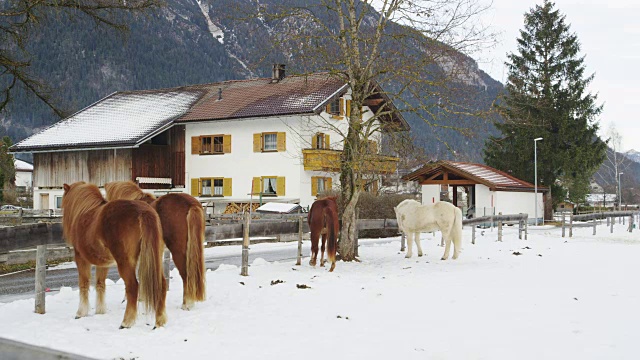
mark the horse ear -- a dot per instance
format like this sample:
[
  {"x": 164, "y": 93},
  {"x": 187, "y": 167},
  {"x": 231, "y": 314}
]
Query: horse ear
[{"x": 66, "y": 187}]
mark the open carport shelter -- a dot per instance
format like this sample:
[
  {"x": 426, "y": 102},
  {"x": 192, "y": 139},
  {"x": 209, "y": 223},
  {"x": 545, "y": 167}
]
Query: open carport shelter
[{"x": 478, "y": 189}]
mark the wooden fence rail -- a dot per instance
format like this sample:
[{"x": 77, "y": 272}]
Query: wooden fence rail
[{"x": 229, "y": 227}]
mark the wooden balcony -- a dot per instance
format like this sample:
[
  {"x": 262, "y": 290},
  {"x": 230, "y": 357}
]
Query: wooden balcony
[{"x": 329, "y": 160}]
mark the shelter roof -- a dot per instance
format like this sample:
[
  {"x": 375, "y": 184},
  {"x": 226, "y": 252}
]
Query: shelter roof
[{"x": 468, "y": 173}]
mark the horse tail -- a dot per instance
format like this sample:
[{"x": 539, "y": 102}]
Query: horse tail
[
  {"x": 331, "y": 224},
  {"x": 152, "y": 287},
  {"x": 195, "y": 282}
]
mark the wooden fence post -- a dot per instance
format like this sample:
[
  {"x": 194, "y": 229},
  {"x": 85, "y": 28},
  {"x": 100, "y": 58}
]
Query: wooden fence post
[
  {"x": 571, "y": 225},
  {"x": 41, "y": 273},
  {"x": 167, "y": 266},
  {"x": 631, "y": 223},
  {"x": 357, "y": 233},
  {"x": 245, "y": 245},
  {"x": 612, "y": 221},
  {"x": 473, "y": 234},
  {"x": 563, "y": 214},
  {"x": 300, "y": 224},
  {"x": 595, "y": 222},
  {"x": 499, "y": 228},
  {"x": 608, "y": 218},
  {"x": 520, "y": 227}
]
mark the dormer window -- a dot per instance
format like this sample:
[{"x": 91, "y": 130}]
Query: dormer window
[{"x": 333, "y": 107}]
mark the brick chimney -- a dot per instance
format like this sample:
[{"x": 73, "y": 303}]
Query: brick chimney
[{"x": 277, "y": 73}]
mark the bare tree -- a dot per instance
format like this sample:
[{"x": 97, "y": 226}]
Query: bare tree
[
  {"x": 19, "y": 20},
  {"x": 615, "y": 163},
  {"x": 414, "y": 49}
]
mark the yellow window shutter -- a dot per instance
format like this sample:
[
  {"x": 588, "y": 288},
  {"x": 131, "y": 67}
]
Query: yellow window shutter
[
  {"x": 282, "y": 141},
  {"x": 348, "y": 111},
  {"x": 328, "y": 108},
  {"x": 373, "y": 147},
  {"x": 280, "y": 184},
  {"x": 314, "y": 141},
  {"x": 328, "y": 183},
  {"x": 257, "y": 142},
  {"x": 195, "y": 145},
  {"x": 314, "y": 186},
  {"x": 195, "y": 187},
  {"x": 256, "y": 185},
  {"x": 327, "y": 143},
  {"x": 226, "y": 187},
  {"x": 226, "y": 144},
  {"x": 341, "y": 106}
]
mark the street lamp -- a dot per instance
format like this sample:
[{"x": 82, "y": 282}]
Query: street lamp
[
  {"x": 535, "y": 176},
  {"x": 619, "y": 192}
]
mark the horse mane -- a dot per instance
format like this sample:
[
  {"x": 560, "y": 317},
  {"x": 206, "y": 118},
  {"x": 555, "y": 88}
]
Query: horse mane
[
  {"x": 126, "y": 190},
  {"x": 78, "y": 199}
]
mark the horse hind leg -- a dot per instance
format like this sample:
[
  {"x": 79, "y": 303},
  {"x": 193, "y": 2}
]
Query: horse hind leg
[
  {"x": 322, "y": 249},
  {"x": 101, "y": 276},
  {"x": 84, "y": 280},
  {"x": 128, "y": 274},
  {"x": 409, "y": 244},
  {"x": 315, "y": 237},
  {"x": 447, "y": 247},
  {"x": 417, "y": 240}
]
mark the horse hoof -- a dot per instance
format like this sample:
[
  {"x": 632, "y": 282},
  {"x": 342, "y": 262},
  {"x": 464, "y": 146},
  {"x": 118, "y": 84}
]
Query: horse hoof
[
  {"x": 123, "y": 327},
  {"x": 78, "y": 317},
  {"x": 407, "y": 256},
  {"x": 419, "y": 255},
  {"x": 443, "y": 258},
  {"x": 333, "y": 266}
]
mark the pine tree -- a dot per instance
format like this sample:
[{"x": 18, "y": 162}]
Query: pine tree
[{"x": 546, "y": 96}]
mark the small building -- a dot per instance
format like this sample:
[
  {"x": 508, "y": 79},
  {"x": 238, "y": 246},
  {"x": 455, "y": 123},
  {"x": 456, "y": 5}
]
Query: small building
[
  {"x": 602, "y": 200},
  {"x": 24, "y": 176},
  {"x": 478, "y": 189}
]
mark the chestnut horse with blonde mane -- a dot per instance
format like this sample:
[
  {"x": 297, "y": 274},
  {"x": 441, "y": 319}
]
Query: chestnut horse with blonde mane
[
  {"x": 182, "y": 219},
  {"x": 127, "y": 233},
  {"x": 323, "y": 220}
]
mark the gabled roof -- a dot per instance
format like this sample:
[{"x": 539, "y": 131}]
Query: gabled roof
[
  {"x": 127, "y": 119},
  {"x": 477, "y": 173},
  {"x": 122, "y": 119},
  {"x": 262, "y": 97}
]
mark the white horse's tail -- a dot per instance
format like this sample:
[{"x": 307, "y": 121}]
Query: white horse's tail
[{"x": 456, "y": 232}]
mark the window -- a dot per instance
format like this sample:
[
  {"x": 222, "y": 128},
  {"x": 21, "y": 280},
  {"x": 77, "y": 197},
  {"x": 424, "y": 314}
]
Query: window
[
  {"x": 58, "y": 200},
  {"x": 211, "y": 144},
  {"x": 320, "y": 141},
  {"x": 269, "y": 185},
  {"x": 334, "y": 107},
  {"x": 270, "y": 142},
  {"x": 320, "y": 184},
  {"x": 211, "y": 187}
]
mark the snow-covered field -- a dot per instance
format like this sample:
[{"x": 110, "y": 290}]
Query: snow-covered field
[{"x": 559, "y": 299}]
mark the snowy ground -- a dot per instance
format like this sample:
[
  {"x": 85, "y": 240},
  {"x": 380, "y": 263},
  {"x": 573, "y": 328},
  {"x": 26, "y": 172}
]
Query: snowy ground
[{"x": 559, "y": 299}]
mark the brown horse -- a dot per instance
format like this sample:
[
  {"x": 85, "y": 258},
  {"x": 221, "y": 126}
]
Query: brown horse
[
  {"x": 182, "y": 219},
  {"x": 125, "y": 232},
  {"x": 323, "y": 220}
]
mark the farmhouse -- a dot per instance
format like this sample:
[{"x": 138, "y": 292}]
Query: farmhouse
[
  {"x": 269, "y": 139},
  {"x": 478, "y": 189}
]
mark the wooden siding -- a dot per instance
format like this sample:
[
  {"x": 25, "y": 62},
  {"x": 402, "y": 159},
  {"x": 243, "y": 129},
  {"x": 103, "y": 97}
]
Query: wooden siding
[
  {"x": 151, "y": 161},
  {"x": 177, "y": 144},
  {"x": 52, "y": 170}
]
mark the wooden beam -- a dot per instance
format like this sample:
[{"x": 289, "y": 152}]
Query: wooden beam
[
  {"x": 448, "y": 182},
  {"x": 373, "y": 102}
]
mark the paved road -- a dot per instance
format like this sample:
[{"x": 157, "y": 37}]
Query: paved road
[{"x": 21, "y": 285}]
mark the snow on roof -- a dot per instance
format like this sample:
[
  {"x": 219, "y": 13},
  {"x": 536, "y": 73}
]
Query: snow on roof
[
  {"x": 489, "y": 174},
  {"x": 278, "y": 207},
  {"x": 22, "y": 165},
  {"x": 120, "y": 119}
]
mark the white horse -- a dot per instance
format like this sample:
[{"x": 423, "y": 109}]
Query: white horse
[{"x": 414, "y": 218}]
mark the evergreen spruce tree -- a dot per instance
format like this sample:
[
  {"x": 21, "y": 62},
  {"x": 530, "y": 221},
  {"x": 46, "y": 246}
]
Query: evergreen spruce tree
[{"x": 546, "y": 97}]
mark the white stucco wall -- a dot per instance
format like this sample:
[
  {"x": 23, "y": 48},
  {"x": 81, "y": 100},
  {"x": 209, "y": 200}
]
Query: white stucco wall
[
  {"x": 430, "y": 194},
  {"x": 507, "y": 202},
  {"x": 24, "y": 178},
  {"x": 485, "y": 200}
]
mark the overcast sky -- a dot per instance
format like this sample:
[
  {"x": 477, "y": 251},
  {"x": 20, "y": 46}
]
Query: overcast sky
[{"x": 609, "y": 33}]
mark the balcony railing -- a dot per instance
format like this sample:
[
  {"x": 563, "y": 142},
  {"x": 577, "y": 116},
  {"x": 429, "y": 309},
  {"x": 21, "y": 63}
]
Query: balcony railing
[{"x": 329, "y": 160}]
